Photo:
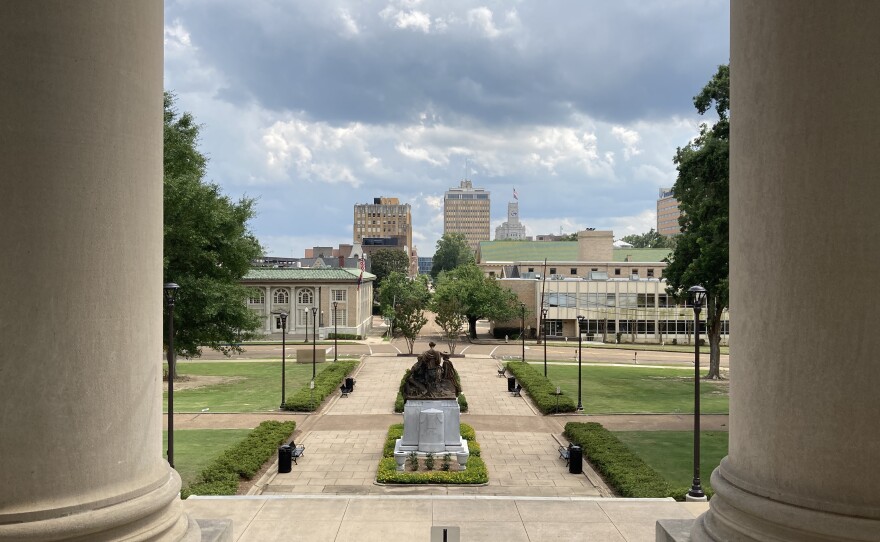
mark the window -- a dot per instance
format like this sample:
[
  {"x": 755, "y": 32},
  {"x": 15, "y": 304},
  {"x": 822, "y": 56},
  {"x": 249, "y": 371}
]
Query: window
[
  {"x": 281, "y": 296},
  {"x": 552, "y": 270},
  {"x": 617, "y": 271},
  {"x": 341, "y": 319},
  {"x": 646, "y": 300},
  {"x": 574, "y": 271},
  {"x": 257, "y": 297},
  {"x": 531, "y": 269},
  {"x": 561, "y": 300},
  {"x": 594, "y": 269},
  {"x": 278, "y": 323},
  {"x": 306, "y": 297},
  {"x": 337, "y": 295},
  {"x": 650, "y": 273}
]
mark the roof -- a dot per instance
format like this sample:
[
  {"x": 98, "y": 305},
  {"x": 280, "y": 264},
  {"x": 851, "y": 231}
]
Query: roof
[
  {"x": 641, "y": 254},
  {"x": 558, "y": 251},
  {"x": 323, "y": 273}
]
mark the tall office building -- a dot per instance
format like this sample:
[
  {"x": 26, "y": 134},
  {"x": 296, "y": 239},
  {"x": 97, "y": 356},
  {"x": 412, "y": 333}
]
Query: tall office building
[
  {"x": 667, "y": 213},
  {"x": 385, "y": 219},
  {"x": 513, "y": 229},
  {"x": 466, "y": 211}
]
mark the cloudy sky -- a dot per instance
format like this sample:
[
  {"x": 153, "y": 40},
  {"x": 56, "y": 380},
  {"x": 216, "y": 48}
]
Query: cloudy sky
[{"x": 313, "y": 106}]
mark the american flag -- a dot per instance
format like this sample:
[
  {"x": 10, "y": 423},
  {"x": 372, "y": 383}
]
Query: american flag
[
  {"x": 362, "y": 265},
  {"x": 515, "y": 196}
]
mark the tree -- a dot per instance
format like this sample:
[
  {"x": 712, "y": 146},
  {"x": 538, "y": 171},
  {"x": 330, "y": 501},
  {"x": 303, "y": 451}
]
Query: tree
[
  {"x": 452, "y": 251},
  {"x": 702, "y": 251},
  {"x": 479, "y": 296},
  {"x": 447, "y": 303},
  {"x": 404, "y": 300},
  {"x": 385, "y": 261},
  {"x": 208, "y": 247},
  {"x": 651, "y": 239},
  {"x": 569, "y": 237}
]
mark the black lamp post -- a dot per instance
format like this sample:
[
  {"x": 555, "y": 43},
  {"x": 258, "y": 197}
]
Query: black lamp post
[
  {"x": 522, "y": 330},
  {"x": 544, "y": 329},
  {"x": 314, "y": 333},
  {"x": 283, "y": 316},
  {"x": 697, "y": 295},
  {"x": 335, "y": 332},
  {"x": 170, "y": 290},
  {"x": 580, "y": 320}
]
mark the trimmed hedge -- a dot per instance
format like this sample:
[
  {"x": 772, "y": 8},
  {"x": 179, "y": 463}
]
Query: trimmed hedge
[
  {"x": 326, "y": 382},
  {"x": 399, "y": 403},
  {"x": 476, "y": 472},
  {"x": 343, "y": 336},
  {"x": 240, "y": 461},
  {"x": 624, "y": 471},
  {"x": 540, "y": 389}
]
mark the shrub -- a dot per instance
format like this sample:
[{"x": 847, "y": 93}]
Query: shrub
[
  {"x": 429, "y": 461},
  {"x": 624, "y": 471},
  {"x": 462, "y": 402},
  {"x": 446, "y": 463},
  {"x": 326, "y": 382},
  {"x": 476, "y": 472},
  {"x": 240, "y": 461},
  {"x": 343, "y": 336},
  {"x": 540, "y": 389}
]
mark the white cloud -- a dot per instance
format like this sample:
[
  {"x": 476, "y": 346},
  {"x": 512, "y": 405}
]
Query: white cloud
[
  {"x": 630, "y": 140},
  {"x": 481, "y": 18},
  {"x": 176, "y": 37},
  {"x": 407, "y": 18},
  {"x": 349, "y": 25}
]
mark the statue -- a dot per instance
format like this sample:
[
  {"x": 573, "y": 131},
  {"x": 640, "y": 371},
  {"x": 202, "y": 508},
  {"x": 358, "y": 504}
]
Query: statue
[{"x": 432, "y": 377}]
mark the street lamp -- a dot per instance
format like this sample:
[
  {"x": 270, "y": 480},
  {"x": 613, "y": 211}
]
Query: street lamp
[
  {"x": 283, "y": 316},
  {"x": 580, "y": 321},
  {"x": 522, "y": 330},
  {"x": 544, "y": 329},
  {"x": 697, "y": 296},
  {"x": 170, "y": 290},
  {"x": 314, "y": 333},
  {"x": 335, "y": 331}
]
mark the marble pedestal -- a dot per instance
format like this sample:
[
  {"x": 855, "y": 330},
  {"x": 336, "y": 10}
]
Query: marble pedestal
[{"x": 431, "y": 426}]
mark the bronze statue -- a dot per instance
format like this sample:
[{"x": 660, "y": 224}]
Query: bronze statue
[{"x": 432, "y": 377}]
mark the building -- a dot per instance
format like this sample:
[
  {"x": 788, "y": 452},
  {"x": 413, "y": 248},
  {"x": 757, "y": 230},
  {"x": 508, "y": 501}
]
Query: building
[
  {"x": 466, "y": 211},
  {"x": 347, "y": 255},
  {"x": 298, "y": 291},
  {"x": 512, "y": 229},
  {"x": 667, "y": 213},
  {"x": 425, "y": 264},
  {"x": 385, "y": 218}
]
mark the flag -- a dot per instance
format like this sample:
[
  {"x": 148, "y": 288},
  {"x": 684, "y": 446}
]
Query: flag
[
  {"x": 361, "y": 264},
  {"x": 515, "y": 196}
]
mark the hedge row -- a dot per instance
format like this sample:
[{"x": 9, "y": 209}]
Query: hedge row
[
  {"x": 343, "y": 336},
  {"x": 540, "y": 389},
  {"x": 240, "y": 461},
  {"x": 326, "y": 382},
  {"x": 476, "y": 472},
  {"x": 624, "y": 471},
  {"x": 399, "y": 403}
]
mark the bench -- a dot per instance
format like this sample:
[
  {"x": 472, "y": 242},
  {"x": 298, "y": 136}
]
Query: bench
[
  {"x": 517, "y": 390},
  {"x": 502, "y": 370},
  {"x": 296, "y": 451},
  {"x": 347, "y": 386},
  {"x": 565, "y": 453}
]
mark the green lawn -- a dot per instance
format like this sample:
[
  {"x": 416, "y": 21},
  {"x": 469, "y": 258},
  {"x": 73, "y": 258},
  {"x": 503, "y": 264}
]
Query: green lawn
[
  {"x": 636, "y": 346},
  {"x": 195, "y": 448},
  {"x": 671, "y": 453},
  {"x": 253, "y": 386},
  {"x": 608, "y": 390}
]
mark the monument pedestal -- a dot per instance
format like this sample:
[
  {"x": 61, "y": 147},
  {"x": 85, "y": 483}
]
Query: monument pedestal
[{"x": 431, "y": 426}]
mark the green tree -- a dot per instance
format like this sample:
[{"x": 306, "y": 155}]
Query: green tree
[
  {"x": 569, "y": 237},
  {"x": 404, "y": 300},
  {"x": 447, "y": 304},
  {"x": 702, "y": 251},
  {"x": 452, "y": 251},
  {"x": 208, "y": 247},
  {"x": 651, "y": 239},
  {"x": 479, "y": 296},
  {"x": 386, "y": 261}
]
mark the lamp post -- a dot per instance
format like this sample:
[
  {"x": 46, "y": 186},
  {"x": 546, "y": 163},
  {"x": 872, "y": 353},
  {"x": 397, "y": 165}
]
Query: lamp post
[
  {"x": 544, "y": 329},
  {"x": 170, "y": 290},
  {"x": 283, "y": 316},
  {"x": 314, "y": 344},
  {"x": 580, "y": 320},
  {"x": 335, "y": 332},
  {"x": 697, "y": 295},
  {"x": 522, "y": 330}
]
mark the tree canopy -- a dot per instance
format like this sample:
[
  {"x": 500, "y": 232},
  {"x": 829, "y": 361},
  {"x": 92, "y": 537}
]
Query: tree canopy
[
  {"x": 404, "y": 301},
  {"x": 650, "y": 239},
  {"x": 477, "y": 296},
  {"x": 702, "y": 251},
  {"x": 452, "y": 251},
  {"x": 385, "y": 261},
  {"x": 208, "y": 246}
]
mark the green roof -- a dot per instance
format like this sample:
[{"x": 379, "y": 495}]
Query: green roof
[
  {"x": 295, "y": 273},
  {"x": 558, "y": 251}
]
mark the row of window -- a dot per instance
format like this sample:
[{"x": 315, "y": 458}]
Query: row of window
[
  {"x": 611, "y": 300},
  {"x": 574, "y": 271},
  {"x": 303, "y": 319},
  {"x": 649, "y": 327},
  {"x": 305, "y": 296}
]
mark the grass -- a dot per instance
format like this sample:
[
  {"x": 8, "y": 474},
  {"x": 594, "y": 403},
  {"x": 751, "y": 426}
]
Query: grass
[
  {"x": 254, "y": 386},
  {"x": 689, "y": 348},
  {"x": 194, "y": 449},
  {"x": 607, "y": 390},
  {"x": 670, "y": 453}
]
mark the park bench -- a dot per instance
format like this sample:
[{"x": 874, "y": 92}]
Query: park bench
[
  {"x": 296, "y": 451},
  {"x": 347, "y": 386},
  {"x": 502, "y": 370},
  {"x": 517, "y": 390},
  {"x": 565, "y": 453}
]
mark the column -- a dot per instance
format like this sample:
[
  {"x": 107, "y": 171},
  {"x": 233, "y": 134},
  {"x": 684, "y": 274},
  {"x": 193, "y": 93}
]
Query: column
[
  {"x": 268, "y": 309},
  {"x": 81, "y": 233},
  {"x": 804, "y": 410}
]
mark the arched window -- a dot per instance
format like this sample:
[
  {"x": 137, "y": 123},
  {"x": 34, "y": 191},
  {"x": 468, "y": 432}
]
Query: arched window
[
  {"x": 281, "y": 296},
  {"x": 306, "y": 297}
]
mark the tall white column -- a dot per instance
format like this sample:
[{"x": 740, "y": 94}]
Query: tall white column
[
  {"x": 804, "y": 458},
  {"x": 81, "y": 232}
]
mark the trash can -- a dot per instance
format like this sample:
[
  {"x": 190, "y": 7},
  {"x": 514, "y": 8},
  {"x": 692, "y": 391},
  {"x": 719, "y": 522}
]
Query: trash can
[
  {"x": 285, "y": 457},
  {"x": 349, "y": 382},
  {"x": 511, "y": 384},
  {"x": 575, "y": 460}
]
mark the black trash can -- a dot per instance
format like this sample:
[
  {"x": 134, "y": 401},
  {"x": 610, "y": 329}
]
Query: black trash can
[
  {"x": 575, "y": 460},
  {"x": 285, "y": 457},
  {"x": 349, "y": 382},
  {"x": 511, "y": 384}
]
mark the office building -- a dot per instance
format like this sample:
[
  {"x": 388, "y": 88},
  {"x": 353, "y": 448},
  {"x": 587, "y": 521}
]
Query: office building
[
  {"x": 466, "y": 211},
  {"x": 385, "y": 218},
  {"x": 667, "y": 213}
]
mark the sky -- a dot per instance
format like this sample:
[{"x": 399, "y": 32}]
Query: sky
[{"x": 312, "y": 106}]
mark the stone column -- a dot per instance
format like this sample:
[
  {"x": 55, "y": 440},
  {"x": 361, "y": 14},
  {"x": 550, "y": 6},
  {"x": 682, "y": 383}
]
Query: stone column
[
  {"x": 804, "y": 442},
  {"x": 81, "y": 233}
]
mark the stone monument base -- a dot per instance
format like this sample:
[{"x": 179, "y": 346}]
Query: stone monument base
[{"x": 431, "y": 426}]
